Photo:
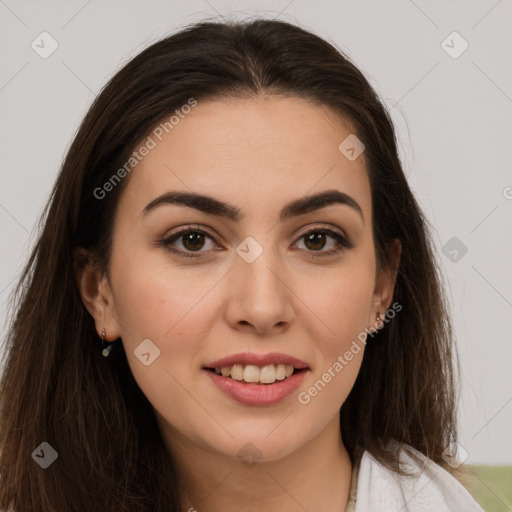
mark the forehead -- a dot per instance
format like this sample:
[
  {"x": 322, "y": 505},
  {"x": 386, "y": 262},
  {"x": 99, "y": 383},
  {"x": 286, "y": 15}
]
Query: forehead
[{"x": 250, "y": 151}]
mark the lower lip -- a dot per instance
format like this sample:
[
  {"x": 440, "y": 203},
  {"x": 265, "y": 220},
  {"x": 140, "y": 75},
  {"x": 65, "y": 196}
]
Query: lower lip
[{"x": 257, "y": 394}]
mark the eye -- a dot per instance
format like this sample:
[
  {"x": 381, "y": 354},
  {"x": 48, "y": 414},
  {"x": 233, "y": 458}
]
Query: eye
[
  {"x": 316, "y": 239},
  {"x": 192, "y": 240}
]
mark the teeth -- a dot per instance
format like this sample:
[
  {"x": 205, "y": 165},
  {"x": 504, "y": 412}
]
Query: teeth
[
  {"x": 252, "y": 373},
  {"x": 281, "y": 372},
  {"x": 237, "y": 372},
  {"x": 267, "y": 374}
]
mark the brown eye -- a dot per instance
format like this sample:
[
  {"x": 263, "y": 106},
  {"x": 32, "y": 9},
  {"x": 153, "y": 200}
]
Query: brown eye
[
  {"x": 316, "y": 239},
  {"x": 192, "y": 241}
]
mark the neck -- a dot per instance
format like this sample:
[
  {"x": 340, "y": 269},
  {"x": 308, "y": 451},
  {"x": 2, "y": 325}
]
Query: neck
[{"x": 317, "y": 476}]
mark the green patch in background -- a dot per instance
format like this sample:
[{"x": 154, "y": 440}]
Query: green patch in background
[{"x": 492, "y": 487}]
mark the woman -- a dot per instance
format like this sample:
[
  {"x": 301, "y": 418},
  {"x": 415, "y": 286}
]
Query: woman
[{"x": 233, "y": 302}]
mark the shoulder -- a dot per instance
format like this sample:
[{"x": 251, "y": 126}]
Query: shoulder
[{"x": 427, "y": 487}]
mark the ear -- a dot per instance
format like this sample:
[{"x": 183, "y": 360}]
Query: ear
[
  {"x": 385, "y": 280},
  {"x": 96, "y": 294}
]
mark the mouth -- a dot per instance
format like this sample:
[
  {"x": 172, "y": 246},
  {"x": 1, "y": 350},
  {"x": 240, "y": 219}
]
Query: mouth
[
  {"x": 257, "y": 385},
  {"x": 254, "y": 374}
]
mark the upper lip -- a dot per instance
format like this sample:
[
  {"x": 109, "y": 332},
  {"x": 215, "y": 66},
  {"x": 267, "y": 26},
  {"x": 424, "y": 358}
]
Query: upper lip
[{"x": 258, "y": 360}]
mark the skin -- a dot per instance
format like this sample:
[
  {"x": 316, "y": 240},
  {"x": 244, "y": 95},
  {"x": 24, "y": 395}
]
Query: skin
[{"x": 257, "y": 154}]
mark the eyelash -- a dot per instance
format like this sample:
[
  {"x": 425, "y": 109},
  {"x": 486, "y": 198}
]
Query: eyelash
[{"x": 343, "y": 243}]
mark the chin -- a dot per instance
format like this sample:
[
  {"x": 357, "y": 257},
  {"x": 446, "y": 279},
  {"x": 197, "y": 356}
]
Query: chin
[{"x": 260, "y": 447}]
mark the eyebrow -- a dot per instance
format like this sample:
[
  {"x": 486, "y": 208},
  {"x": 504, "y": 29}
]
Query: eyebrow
[{"x": 212, "y": 206}]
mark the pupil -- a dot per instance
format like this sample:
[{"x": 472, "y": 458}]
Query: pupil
[
  {"x": 312, "y": 236},
  {"x": 194, "y": 238}
]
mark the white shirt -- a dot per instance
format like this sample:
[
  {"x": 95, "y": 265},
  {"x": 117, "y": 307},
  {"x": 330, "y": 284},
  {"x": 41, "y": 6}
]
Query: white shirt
[{"x": 430, "y": 488}]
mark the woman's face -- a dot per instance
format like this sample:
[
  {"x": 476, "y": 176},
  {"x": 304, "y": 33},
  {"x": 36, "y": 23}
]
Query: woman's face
[{"x": 249, "y": 282}]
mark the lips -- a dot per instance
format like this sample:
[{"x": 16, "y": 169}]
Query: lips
[
  {"x": 250, "y": 358},
  {"x": 257, "y": 394},
  {"x": 267, "y": 379}
]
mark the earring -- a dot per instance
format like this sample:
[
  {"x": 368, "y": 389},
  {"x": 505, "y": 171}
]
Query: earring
[
  {"x": 379, "y": 317},
  {"x": 106, "y": 350}
]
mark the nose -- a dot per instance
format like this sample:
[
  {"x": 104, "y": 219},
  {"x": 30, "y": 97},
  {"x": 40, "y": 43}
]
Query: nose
[{"x": 260, "y": 294}]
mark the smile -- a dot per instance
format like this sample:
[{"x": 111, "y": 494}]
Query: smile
[
  {"x": 251, "y": 373},
  {"x": 257, "y": 393}
]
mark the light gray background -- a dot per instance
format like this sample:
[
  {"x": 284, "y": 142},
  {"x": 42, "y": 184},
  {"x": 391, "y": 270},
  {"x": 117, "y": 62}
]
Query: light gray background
[{"x": 453, "y": 118}]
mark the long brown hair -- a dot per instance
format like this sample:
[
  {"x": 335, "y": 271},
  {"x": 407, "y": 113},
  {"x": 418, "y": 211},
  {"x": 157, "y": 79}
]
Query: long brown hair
[{"x": 56, "y": 386}]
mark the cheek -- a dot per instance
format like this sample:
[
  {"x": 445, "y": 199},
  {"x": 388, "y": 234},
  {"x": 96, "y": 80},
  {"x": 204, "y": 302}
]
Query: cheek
[
  {"x": 341, "y": 314},
  {"x": 149, "y": 296},
  {"x": 342, "y": 304},
  {"x": 169, "y": 309}
]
